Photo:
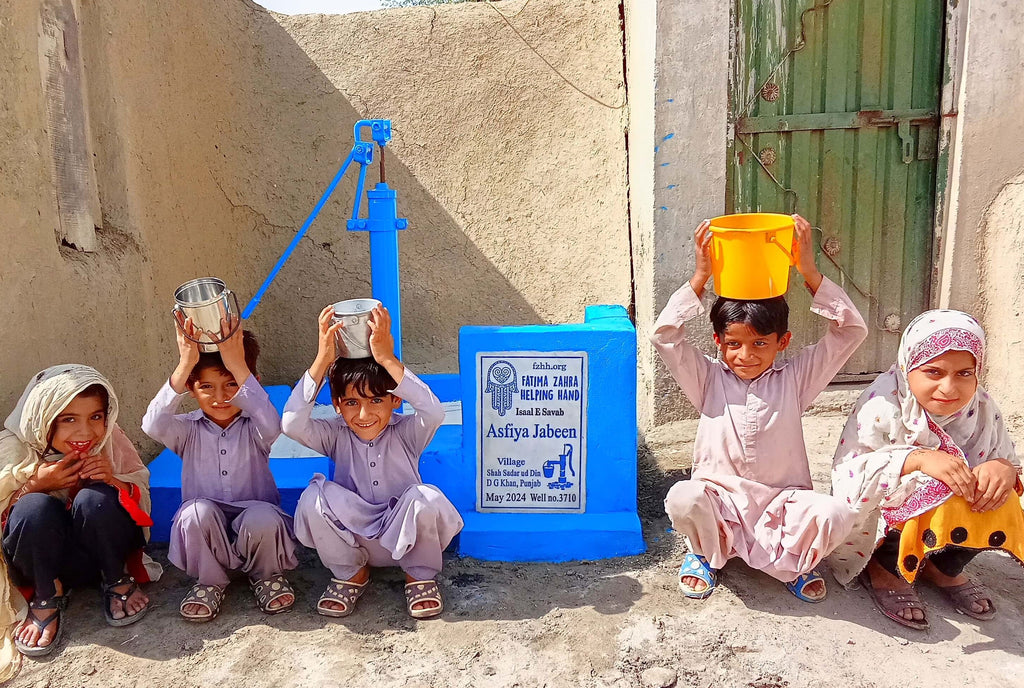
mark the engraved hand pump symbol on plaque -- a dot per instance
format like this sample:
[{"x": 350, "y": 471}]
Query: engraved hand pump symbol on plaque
[
  {"x": 565, "y": 458},
  {"x": 501, "y": 383}
]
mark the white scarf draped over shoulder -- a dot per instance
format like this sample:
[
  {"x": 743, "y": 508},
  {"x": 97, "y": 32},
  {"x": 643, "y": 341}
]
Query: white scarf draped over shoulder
[
  {"x": 888, "y": 424},
  {"x": 23, "y": 445}
]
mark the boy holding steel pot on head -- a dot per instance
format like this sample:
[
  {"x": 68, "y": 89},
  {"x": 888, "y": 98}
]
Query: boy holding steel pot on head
[
  {"x": 376, "y": 511},
  {"x": 230, "y": 516}
]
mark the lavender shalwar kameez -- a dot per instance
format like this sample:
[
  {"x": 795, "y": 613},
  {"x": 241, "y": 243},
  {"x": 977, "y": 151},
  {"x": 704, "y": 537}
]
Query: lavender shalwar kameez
[
  {"x": 376, "y": 511},
  {"x": 230, "y": 516},
  {"x": 750, "y": 494}
]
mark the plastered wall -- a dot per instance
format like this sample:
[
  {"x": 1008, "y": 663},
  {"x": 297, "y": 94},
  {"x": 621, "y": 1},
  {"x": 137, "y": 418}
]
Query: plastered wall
[
  {"x": 215, "y": 126},
  {"x": 980, "y": 256}
]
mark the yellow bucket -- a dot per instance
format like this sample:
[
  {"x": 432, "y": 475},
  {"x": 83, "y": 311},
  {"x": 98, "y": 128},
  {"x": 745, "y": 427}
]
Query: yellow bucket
[{"x": 751, "y": 254}]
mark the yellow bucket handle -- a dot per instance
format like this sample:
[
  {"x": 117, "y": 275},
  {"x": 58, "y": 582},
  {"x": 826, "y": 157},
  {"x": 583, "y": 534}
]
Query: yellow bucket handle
[{"x": 770, "y": 238}]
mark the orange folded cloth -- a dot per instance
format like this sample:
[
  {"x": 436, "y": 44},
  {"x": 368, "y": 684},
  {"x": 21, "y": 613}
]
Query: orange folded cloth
[{"x": 953, "y": 523}]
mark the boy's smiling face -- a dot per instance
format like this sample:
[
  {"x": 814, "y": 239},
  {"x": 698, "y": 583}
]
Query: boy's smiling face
[
  {"x": 747, "y": 352},
  {"x": 366, "y": 416},
  {"x": 213, "y": 391}
]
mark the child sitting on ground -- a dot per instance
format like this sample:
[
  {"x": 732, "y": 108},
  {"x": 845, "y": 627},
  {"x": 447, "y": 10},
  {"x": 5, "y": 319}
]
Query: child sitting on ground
[
  {"x": 376, "y": 511},
  {"x": 750, "y": 493},
  {"x": 927, "y": 463},
  {"x": 230, "y": 516}
]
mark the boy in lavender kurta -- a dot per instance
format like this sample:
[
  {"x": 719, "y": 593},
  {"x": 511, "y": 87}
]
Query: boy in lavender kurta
[
  {"x": 376, "y": 511},
  {"x": 230, "y": 516},
  {"x": 750, "y": 493}
]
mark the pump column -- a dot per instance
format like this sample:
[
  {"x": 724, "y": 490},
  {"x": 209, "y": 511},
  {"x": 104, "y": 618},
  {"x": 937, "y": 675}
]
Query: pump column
[{"x": 383, "y": 224}]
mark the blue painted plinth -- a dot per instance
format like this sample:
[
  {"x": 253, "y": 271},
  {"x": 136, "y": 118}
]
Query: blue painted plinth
[{"x": 609, "y": 527}]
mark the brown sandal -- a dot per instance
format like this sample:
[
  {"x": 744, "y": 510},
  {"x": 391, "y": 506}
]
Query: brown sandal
[
  {"x": 342, "y": 592},
  {"x": 268, "y": 590},
  {"x": 423, "y": 591},
  {"x": 961, "y": 597},
  {"x": 209, "y": 596},
  {"x": 890, "y": 602}
]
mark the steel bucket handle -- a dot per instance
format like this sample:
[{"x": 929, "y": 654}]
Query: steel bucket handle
[{"x": 179, "y": 320}]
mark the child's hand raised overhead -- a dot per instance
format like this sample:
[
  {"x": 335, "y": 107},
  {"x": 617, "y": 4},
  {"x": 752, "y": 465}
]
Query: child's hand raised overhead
[
  {"x": 702, "y": 251},
  {"x": 382, "y": 343},
  {"x": 327, "y": 333},
  {"x": 188, "y": 352},
  {"x": 232, "y": 350},
  {"x": 804, "y": 252}
]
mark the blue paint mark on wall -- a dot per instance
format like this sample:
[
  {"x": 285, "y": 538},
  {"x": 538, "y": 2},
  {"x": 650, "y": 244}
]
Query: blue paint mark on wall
[
  {"x": 671, "y": 186},
  {"x": 656, "y": 148},
  {"x": 665, "y": 164},
  {"x": 667, "y": 137}
]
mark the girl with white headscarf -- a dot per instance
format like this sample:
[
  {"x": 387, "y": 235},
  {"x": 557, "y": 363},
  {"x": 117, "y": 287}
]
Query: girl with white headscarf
[
  {"x": 74, "y": 500},
  {"x": 921, "y": 433}
]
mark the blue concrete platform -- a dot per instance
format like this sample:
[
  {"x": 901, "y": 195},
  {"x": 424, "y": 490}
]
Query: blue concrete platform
[
  {"x": 599, "y": 522},
  {"x": 293, "y": 470}
]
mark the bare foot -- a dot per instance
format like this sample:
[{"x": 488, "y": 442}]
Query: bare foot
[
  {"x": 136, "y": 602},
  {"x": 882, "y": 579},
  {"x": 361, "y": 577},
  {"x": 933, "y": 575},
  {"x": 30, "y": 635},
  {"x": 423, "y": 604},
  {"x": 694, "y": 583},
  {"x": 815, "y": 590}
]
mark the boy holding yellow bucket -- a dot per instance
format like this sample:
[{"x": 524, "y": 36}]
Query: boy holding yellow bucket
[{"x": 750, "y": 492}]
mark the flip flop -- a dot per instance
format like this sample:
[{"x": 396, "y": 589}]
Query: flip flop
[
  {"x": 343, "y": 592},
  {"x": 209, "y": 596},
  {"x": 60, "y": 602},
  {"x": 109, "y": 594},
  {"x": 889, "y": 602},
  {"x": 269, "y": 589},
  {"x": 423, "y": 591},
  {"x": 961, "y": 597},
  {"x": 798, "y": 586},
  {"x": 696, "y": 566}
]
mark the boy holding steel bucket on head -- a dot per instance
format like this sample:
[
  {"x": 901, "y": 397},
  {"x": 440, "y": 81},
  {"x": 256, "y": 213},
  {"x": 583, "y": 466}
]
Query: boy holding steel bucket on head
[
  {"x": 376, "y": 511},
  {"x": 230, "y": 516},
  {"x": 750, "y": 492}
]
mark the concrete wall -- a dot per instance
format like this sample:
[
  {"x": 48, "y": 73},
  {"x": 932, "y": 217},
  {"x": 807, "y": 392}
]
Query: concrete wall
[
  {"x": 214, "y": 133},
  {"x": 678, "y": 130},
  {"x": 980, "y": 257}
]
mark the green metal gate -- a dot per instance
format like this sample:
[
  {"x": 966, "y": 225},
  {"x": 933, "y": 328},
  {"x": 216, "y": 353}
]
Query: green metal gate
[{"x": 834, "y": 112}]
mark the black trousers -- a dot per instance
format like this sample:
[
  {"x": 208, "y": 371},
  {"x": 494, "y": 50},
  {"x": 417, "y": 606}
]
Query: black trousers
[
  {"x": 43, "y": 540},
  {"x": 950, "y": 561}
]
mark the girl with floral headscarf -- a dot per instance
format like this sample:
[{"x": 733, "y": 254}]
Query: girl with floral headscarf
[
  {"x": 74, "y": 500},
  {"x": 925, "y": 434}
]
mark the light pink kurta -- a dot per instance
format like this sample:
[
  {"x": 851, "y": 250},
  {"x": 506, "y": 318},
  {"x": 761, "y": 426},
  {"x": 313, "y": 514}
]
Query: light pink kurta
[
  {"x": 377, "y": 511},
  {"x": 229, "y": 517},
  {"x": 750, "y": 494}
]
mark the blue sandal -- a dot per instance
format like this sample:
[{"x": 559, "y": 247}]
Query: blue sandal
[
  {"x": 802, "y": 581},
  {"x": 696, "y": 566}
]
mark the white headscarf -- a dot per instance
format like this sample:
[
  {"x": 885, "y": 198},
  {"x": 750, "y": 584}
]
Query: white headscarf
[
  {"x": 25, "y": 442},
  {"x": 889, "y": 423}
]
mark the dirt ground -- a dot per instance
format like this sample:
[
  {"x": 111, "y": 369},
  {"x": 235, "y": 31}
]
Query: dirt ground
[{"x": 614, "y": 623}]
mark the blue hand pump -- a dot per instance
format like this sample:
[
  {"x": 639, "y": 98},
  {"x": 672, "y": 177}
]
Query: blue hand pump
[{"x": 382, "y": 222}]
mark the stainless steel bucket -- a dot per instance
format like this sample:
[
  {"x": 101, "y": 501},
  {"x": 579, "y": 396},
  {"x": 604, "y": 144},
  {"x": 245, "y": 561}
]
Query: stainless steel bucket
[
  {"x": 354, "y": 338},
  {"x": 208, "y": 302}
]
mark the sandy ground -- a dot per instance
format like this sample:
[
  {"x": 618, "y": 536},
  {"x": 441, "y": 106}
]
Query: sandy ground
[{"x": 620, "y": 622}]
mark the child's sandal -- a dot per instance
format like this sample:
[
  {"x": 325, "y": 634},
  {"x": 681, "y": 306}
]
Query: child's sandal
[
  {"x": 345, "y": 593},
  {"x": 109, "y": 595},
  {"x": 268, "y": 590},
  {"x": 58, "y": 602},
  {"x": 798, "y": 586},
  {"x": 696, "y": 566},
  {"x": 209, "y": 596},
  {"x": 423, "y": 591}
]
